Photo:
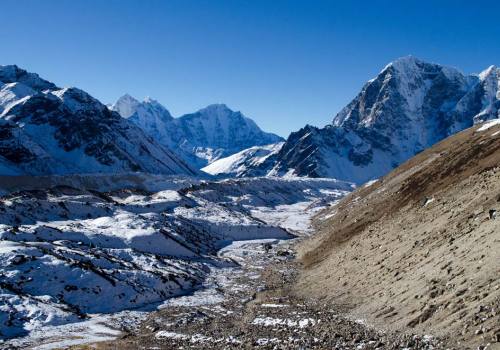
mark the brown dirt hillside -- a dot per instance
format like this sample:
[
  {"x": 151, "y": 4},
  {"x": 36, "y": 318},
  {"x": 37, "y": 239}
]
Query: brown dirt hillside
[{"x": 417, "y": 250}]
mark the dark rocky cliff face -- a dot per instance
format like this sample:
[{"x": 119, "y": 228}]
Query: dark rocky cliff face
[{"x": 407, "y": 108}]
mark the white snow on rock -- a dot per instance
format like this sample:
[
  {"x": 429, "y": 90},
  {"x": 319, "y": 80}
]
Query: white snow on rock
[
  {"x": 237, "y": 164},
  {"x": 274, "y": 305},
  {"x": 271, "y": 322},
  {"x": 408, "y": 107},
  {"x": 47, "y": 130},
  {"x": 202, "y": 137},
  {"x": 69, "y": 253},
  {"x": 489, "y": 124},
  {"x": 371, "y": 182}
]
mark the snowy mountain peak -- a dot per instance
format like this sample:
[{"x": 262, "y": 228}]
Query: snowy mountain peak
[
  {"x": 125, "y": 106},
  {"x": 46, "y": 130},
  {"x": 202, "y": 137},
  {"x": 405, "y": 83},
  {"x": 221, "y": 113},
  {"x": 405, "y": 65},
  {"x": 129, "y": 107},
  {"x": 492, "y": 72},
  {"x": 408, "y": 107},
  {"x": 14, "y": 74},
  {"x": 488, "y": 72},
  {"x": 216, "y": 131},
  {"x": 150, "y": 100},
  {"x": 410, "y": 66},
  {"x": 486, "y": 94},
  {"x": 216, "y": 108},
  {"x": 404, "y": 62},
  {"x": 126, "y": 97}
]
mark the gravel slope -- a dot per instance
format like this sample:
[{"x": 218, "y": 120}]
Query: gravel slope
[{"x": 418, "y": 250}]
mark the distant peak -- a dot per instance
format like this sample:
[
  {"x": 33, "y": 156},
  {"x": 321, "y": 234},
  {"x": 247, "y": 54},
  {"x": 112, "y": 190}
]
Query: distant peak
[
  {"x": 407, "y": 59},
  {"x": 127, "y": 97},
  {"x": 219, "y": 109},
  {"x": 154, "y": 103},
  {"x": 216, "y": 106},
  {"x": 10, "y": 69},
  {"x": 13, "y": 74},
  {"x": 487, "y": 72},
  {"x": 403, "y": 62},
  {"x": 125, "y": 105},
  {"x": 411, "y": 65}
]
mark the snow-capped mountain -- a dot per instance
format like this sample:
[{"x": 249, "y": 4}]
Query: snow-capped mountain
[
  {"x": 45, "y": 129},
  {"x": 407, "y": 108},
  {"x": 149, "y": 114},
  {"x": 201, "y": 137}
]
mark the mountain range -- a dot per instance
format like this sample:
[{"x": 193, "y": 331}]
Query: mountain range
[
  {"x": 47, "y": 130},
  {"x": 408, "y": 107},
  {"x": 202, "y": 137},
  {"x": 407, "y": 261}
]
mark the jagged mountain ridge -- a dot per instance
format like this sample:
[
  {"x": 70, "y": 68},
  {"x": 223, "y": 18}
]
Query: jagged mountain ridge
[
  {"x": 202, "y": 137},
  {"x": 407, "y": 108},
  {"x": 48, "y": 130}
]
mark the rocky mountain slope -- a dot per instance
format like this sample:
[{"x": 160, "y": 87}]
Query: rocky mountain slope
[
  {"x": 45, "y": 129},
  {"x": 417, "y": 250},
  {"x": 407, "y": 108},
  {"x": 201, "y": 137}
]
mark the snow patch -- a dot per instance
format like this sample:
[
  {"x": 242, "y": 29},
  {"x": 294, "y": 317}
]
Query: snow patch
[
  {"x": 271, "y": 321},
  {"x": 489, "y": 124}
]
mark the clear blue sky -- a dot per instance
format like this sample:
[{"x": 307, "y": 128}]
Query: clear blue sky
[{"x": 282, "y": 63}]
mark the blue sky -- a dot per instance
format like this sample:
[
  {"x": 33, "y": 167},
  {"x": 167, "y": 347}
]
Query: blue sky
[{"x": 282, "y": 63}]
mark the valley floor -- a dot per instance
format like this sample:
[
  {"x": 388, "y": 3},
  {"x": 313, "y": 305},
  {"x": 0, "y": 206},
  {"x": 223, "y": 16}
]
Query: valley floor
[
  {"x": 246, "y": 296},
  {"x": 76, "y": 261},
  {"x": 254, "y": 306}
]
